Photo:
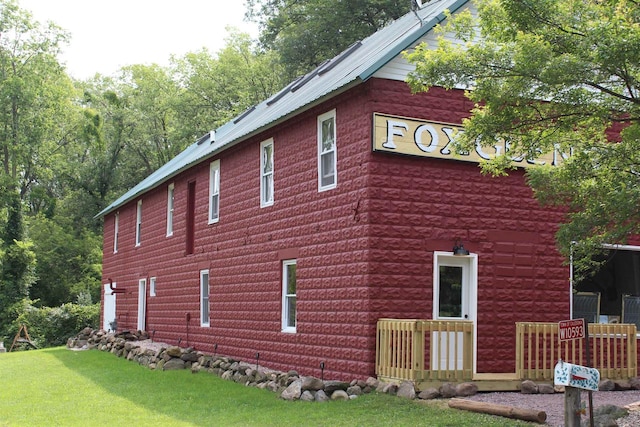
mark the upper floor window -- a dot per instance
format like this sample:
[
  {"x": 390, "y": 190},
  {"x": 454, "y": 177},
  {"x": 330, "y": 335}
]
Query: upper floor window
[
  {"x": 116, "y": 226},
  {"x": 139, "y": 223},
  {"x": 266, "y": 173},
  {"x": 214, "y": 191},
  {"x": 289, "y": 295},
  {"x": 170, "y": 192},
  {"x": 327, "y": 178}
]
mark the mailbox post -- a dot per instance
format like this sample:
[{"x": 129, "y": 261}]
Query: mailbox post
[{"x": 575, "y": 377}]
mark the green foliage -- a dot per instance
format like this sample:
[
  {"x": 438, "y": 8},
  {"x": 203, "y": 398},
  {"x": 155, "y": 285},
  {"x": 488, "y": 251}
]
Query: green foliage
[
  {"x": 53, "y": 326},
  {"x": 305, "y": 33},
  {"x": 68, "y": 261},
  {"x": 551, "y": 76}
]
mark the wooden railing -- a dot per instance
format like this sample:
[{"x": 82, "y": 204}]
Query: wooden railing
[
  {"x": 612, "y": 347},
  {"x": 424, "y": 350}
]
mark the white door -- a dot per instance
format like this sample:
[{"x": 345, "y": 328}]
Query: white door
[
  {"x": 109, "y": 303},
  {"x": 142, "y": 304},
  {"x": 454, "y": 298}
]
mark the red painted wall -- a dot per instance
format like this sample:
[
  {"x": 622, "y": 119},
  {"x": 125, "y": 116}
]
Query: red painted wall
[{"x": 364, "y": 250}]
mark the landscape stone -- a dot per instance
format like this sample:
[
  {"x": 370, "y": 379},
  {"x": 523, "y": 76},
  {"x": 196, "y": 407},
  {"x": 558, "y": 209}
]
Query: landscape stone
[
  {"x": 546, "y": 389},
  {"x": 293, "y": 392},
  {"x": 466, "y": 389},
  {"x": 339, "y": 395},
  {"x": 406, "y": 390},
  {"x": 447, "y": 390},
  {"x": 307, "y": 396},
  {"x": 606, "y": 385},
  {"x": 173, "y": 364},
  {"x": 529, "y": 387},
  {"x": 321, "y": 396},
  {"x": 429, "y": 393},
  {"x": 312, "y": 383}
]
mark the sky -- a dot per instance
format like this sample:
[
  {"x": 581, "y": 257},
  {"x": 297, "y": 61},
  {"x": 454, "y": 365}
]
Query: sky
[{"x": 109, "y": 34}]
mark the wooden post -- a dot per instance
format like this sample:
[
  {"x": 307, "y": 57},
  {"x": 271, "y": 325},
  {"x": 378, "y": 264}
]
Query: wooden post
[
  {"x": 572, "y": 407},
  {"x": 588, "y": 350}
]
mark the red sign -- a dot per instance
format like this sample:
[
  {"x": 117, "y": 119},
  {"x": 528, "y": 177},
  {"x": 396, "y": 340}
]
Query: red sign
[{"x": 571, "y": 329}]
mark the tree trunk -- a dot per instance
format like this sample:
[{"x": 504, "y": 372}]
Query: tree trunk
[{"x": 501, "y": 410}]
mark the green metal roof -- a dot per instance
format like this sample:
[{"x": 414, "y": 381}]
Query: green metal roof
[{"x": 355, "y": 65}]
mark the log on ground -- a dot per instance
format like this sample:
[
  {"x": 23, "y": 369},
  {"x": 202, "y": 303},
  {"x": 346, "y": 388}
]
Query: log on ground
[{"x": 501, "y": 410}]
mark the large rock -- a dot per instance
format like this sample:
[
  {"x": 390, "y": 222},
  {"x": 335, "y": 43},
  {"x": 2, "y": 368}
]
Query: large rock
[
  {"x": 606, "y": 385},
  {"x": 312, "y": 383},
  {"x": 529, "y": 387},
  {"x": 546, "y": 389},
  {"x": 331, "y": 386},
  {"x": 174, "y": 351},
  {"x": 294, "y": 391},
  {"x": 173, "y": 364},
  {"x": 339, "y": 395},
  {"x": 429, "y": 393},
  {"x": 466, "y": 389},
  {"x": 407, "y": 390},
  {"x": 321, "y": 396},
  {"x": 447, "y": 390},
  {"x": 606, "y": 415}
]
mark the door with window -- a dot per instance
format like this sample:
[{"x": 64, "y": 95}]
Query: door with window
[
  {"x": 109, "y": 303},
  {"x": 454, "y": 298}
]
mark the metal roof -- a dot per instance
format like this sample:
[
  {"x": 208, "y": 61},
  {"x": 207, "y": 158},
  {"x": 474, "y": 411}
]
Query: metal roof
[{"x": 351, "y": 67}]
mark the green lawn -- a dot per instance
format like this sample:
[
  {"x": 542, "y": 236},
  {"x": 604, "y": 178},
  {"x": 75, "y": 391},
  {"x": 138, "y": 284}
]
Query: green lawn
[{"x": 59, "y": 387}]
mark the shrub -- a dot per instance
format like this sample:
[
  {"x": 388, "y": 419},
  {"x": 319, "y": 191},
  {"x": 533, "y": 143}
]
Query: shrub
[{"x": 52, "y": 326}]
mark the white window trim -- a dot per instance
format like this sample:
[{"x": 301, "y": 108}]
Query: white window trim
[
  {"x": 214, "y": 190},
  {"x": 321, "y": 118},
  {"x": 142, "y": 304},
  {"x": 139, "y": 223},
  {"x": 205, "y": 322},
  {"x": 170, "y": 206},
  {"x": 285, "y": 306},
  {"x": 152, "y": 287},
  {"x": 263, "y": 144},
  {"x": 116, "y": 230}
]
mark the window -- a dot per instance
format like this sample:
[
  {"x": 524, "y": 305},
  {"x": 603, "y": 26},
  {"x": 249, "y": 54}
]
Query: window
[
  {"x": 289, "y": 295},
  {"x": 139, "y": 223},
  {"x": 266, "y": 173},
  {"x": 214, "y": 191},
  {"x": 116, "y": 226},
  {"x": 152, "y": 287},
  {"x": 204, "y": 298},
  {"x": 327, "y": 151},
  {"x": 170, "y": 210}
]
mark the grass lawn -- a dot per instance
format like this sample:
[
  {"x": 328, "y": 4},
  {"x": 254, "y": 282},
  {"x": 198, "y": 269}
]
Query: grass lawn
[{"x": 59, "y": 387}]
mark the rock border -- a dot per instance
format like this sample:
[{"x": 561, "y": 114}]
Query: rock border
[{"x": 138, "y": 347}]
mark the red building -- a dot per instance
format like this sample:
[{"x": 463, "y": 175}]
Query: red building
[{"x": 292, "y": 229}]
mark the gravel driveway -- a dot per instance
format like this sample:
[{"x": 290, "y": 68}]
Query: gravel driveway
[{"x": 553, "y": 404}]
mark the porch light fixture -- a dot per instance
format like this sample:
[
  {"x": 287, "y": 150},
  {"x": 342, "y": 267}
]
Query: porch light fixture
[{"x": 458, "y": 249}]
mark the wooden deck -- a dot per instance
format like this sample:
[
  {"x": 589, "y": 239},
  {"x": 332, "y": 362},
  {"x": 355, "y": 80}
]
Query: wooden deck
[{"x": 432, "y": 352}]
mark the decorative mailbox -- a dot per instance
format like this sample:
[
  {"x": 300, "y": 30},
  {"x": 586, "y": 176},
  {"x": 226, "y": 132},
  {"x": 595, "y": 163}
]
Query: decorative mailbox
[{"x": 577, "y": 376}]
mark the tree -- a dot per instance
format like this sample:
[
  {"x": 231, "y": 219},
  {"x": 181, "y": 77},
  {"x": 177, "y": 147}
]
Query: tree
[
  {"x": 17, "y": 262},
  {"x": 219, "y": 87},
  {"x": 551, "y": 75},
  {"x": 305, "y": 33},
  {"x": 35, "y": 96}
]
